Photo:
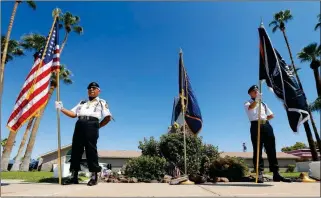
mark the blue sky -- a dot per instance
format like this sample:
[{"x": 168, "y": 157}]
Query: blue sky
[{"x": 131, "y": 50}]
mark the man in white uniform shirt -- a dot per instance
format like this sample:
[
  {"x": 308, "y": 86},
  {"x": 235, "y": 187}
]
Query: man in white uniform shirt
[
  {"x": 86, "y": 133},
  {"x": 267, "y": 138}
]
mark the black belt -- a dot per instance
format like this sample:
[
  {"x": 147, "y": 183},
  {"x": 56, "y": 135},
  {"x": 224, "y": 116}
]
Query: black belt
[
  {"x": 261, "y": 122},
  {"x": 90, "y": 118}
]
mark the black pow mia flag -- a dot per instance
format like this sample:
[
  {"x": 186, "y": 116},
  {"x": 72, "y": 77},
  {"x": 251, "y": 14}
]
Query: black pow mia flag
[{"x": 280, "y": 79}]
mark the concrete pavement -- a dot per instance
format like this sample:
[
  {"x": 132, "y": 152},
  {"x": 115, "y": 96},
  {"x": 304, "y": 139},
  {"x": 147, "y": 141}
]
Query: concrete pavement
[{"x": 162, "y": 190}]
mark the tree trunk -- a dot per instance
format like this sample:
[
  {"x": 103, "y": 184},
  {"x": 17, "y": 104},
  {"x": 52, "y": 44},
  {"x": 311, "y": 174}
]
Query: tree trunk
[
  {"x": 306, "y": 124},
  {"x": 17, "y": 162},
  {"x": 317, "y": 81},
  {"x": 7, "y": 150},
  {"x": 311, "y": 142},
  {"x": 27, "y": 157},
  {"x": 64, "y": 42}
]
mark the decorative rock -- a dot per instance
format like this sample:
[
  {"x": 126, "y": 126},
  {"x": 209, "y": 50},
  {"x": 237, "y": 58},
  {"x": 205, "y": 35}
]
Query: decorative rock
[
  {"x": 133, "y": 180},
  {"x": 221, "y": 179},
  {"x": 167, "y": 179},
  {"x": 197, "y": 179}
]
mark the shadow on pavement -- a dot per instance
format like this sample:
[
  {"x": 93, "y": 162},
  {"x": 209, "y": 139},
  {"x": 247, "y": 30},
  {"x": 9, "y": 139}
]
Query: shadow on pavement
[
  {"x": 4, "y": 184},
  {"x": 238, "y": 184}
]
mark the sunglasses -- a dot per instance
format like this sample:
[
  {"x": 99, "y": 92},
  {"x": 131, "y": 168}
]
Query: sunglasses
[{"x": 94, "y": 88}]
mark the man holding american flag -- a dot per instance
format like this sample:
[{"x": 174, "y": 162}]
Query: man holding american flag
[{"x": 89, "y": 113}]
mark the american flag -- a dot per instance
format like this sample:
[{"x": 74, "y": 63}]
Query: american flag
[{"x": 34, "y": 93}]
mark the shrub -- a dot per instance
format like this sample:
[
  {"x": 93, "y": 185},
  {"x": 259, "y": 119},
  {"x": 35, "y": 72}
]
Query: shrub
[
  {"x": 172, "y": 149},
  {"x": 146, "y": 168},
  {"x": 290, "y": 168},
  {"x": 232, "y": 168},
  {"x": 209, "y": 153},
  {"x": 149, "y": 147}
]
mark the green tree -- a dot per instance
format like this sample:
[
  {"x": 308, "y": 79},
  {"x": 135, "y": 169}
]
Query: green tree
[
  {"x": 70, "y": 24},
  {"x": 311, "y": 53},
  {"x": 296, "y": 146},
  {"x": 280, "y": 19},
  {"x": 14, "y": 49}
]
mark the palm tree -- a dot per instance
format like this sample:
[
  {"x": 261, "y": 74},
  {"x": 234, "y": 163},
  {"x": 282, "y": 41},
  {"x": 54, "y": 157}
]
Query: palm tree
[
  {"x": 70, "y": 23},
  {"x": 14, "y": 49},
  {"x": 17, "y": 161},
  {"x": 64, "y": 75},
  {"x": 318, "y": 25},
  {"x": 32, "y": 4},
  {"x": 278, "y": 23},
  {"x": 311, "y": 53}
]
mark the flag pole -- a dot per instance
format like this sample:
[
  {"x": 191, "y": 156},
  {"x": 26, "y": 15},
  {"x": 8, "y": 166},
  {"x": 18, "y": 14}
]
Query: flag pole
[
  {"x": 258, "y": 129},
  {"x": 258, "y": 150},
  {"x": 55, "y": 14},
  {"x": 183, "y": 96}
]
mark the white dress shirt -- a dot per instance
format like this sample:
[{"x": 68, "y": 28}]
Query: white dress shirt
[
  {"x": 97, "y": 108},
  {"x": 253, "y": 113}
]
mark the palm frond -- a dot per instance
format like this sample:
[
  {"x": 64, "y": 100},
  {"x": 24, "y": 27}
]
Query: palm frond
[
  {"x": 316, "y": 105},
  {"x": 317, "y": 26},
  {"x": 13, "y": 50},
  {"x": 309, "y": 53},
  {"x": 32, "y": 4},
  {"x": 287, "y": 16},
  {"x": 78, "y": 29},
  {"x": 275, "y": 28},
  {"x": 33, "y": 42},
  {"x": 273, "y": 23}
]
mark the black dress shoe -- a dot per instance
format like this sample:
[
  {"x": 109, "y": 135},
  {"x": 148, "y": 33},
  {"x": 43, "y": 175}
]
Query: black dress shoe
[
  {"x": 92, "y": 182},
  {"x": 71, "y": 181},
  {"x": 278, "y": 178}
]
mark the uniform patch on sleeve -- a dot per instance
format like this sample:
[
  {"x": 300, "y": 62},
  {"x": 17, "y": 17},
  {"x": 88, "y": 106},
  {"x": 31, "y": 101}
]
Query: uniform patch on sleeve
[{"x": 106, "y": 105}]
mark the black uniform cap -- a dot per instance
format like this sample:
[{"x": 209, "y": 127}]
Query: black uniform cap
[
  {"x": 253, "y": 87},
  {"x": 93, "y": 84}
]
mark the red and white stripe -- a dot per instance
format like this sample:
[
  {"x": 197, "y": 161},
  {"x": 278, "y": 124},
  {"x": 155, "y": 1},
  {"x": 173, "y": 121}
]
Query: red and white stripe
[{"x": 39, "y": 79}]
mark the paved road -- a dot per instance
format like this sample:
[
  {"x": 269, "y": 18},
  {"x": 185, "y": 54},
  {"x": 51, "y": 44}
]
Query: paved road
[{"x": 162, "y": 190}]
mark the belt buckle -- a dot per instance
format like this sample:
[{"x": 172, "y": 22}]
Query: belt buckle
[
  {"x": 263, "y": 121},
  {"x": 87, "y": 117}
]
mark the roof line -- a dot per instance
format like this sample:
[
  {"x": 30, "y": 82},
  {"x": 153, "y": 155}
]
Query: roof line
[{"x": 55, "y": 150}]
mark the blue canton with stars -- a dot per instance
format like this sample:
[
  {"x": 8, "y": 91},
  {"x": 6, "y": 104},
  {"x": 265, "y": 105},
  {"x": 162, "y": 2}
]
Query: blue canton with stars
[{"x": 54, "y": 40}]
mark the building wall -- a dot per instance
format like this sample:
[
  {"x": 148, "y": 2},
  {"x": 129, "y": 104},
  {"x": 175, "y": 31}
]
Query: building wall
[
  {"x": 283, "y": 163},
  {"x": 116, "y": 163},
  {"x": 48, "y": 161}
]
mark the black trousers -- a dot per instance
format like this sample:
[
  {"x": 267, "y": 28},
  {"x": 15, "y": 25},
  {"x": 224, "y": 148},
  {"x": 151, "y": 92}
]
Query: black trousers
[
  {"x": 85, "y": 137},
  {"x": 267, "y": 140}
]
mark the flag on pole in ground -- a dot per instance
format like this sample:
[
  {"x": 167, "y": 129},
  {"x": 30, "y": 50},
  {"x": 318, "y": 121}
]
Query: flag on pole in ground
[
  {"x": 34, "y": 93},
  {"x": 193, "y": 116},
  {"x": 280, "y": 78}
]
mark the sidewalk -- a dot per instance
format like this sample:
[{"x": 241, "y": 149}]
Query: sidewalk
[{"x": 162, "y": 190}]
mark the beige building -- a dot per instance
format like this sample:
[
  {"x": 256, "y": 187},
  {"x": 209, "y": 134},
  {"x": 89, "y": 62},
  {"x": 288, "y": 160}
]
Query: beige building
[
  {"x": 284, "y": 159},
  {"x": 116, "y": 158},
  {"x": 119, "y": 158}
]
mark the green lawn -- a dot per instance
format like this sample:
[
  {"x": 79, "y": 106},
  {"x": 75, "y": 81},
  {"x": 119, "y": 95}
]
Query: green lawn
[
  {"x": 288, "y": 175},
  {"x": 37, "y": 177}
]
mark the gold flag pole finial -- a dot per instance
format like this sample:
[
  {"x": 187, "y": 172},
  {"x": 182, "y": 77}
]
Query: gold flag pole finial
[{"x": 56, "y": 12}]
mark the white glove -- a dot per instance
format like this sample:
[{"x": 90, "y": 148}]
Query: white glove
[
  {"x": 58, "y": 105},
  {"x": 258, "y": 97}
]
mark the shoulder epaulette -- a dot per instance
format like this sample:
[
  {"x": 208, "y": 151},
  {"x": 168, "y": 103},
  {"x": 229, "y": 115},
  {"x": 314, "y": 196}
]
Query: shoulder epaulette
[{"x": 83, "y": 102}]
